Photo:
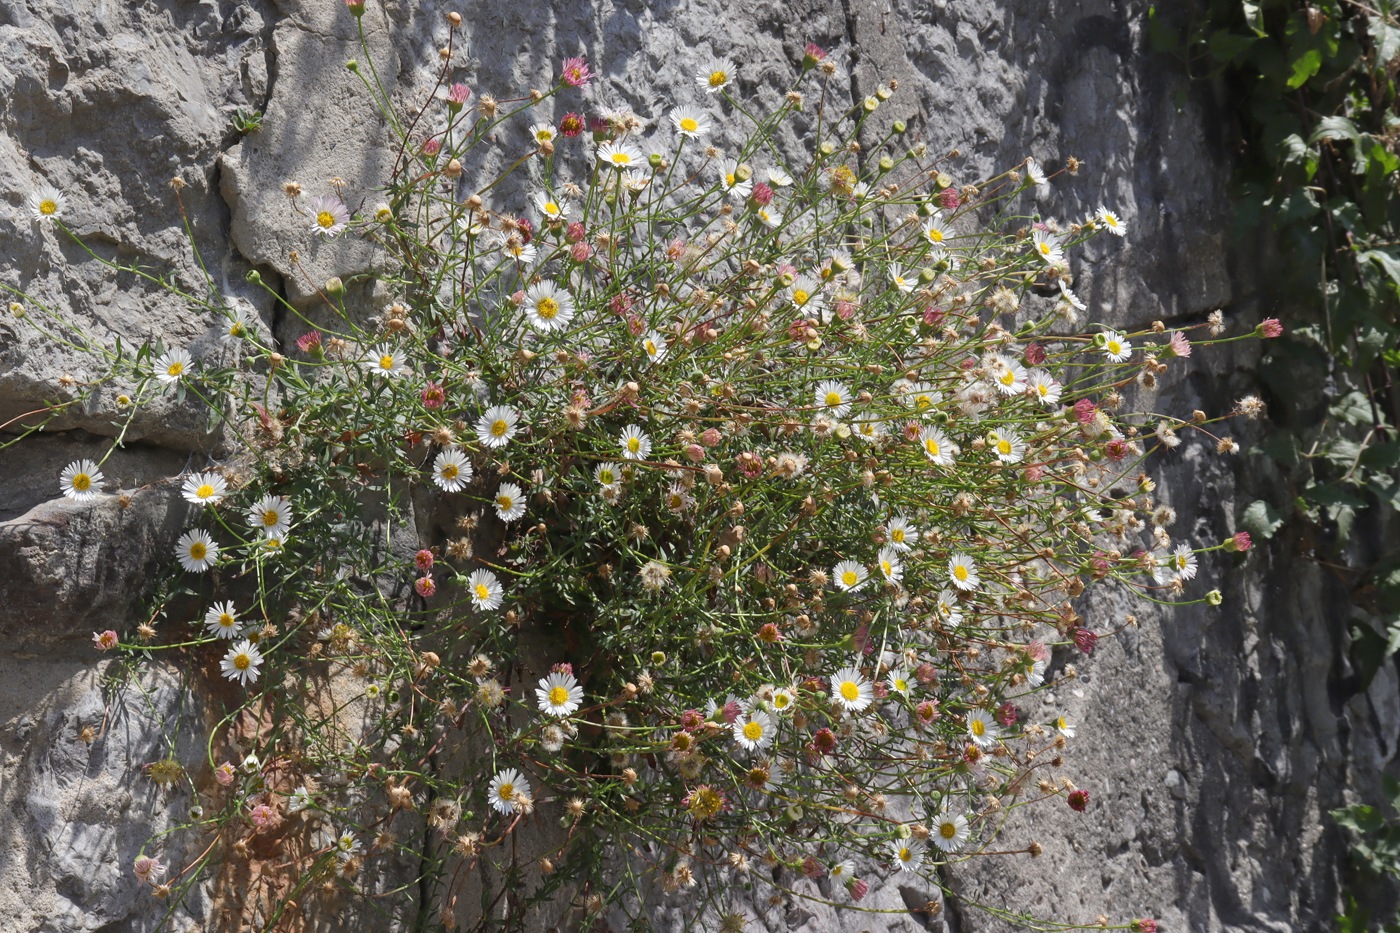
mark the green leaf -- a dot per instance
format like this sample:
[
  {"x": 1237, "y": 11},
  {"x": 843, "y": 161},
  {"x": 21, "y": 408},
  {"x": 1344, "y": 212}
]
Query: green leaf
[
  {"x": 1304, "y": 67},
  {"x": 1361, "y": 817},
  {"x": 1381, "y": 456},
  {"x": 1331, "y": 494},
  {"x": 1353, "y": 408},
  {"x": 1281, "y": 447},
  {"x": 1254, "y": 17},
  {"x": 1387, "y": 262},
  {"x": 1226, "y": 46},
  {"x": 1387, "y": 40},
  {"x": 1334, "y": 128},
  {"x": 1261, "y": 520}
]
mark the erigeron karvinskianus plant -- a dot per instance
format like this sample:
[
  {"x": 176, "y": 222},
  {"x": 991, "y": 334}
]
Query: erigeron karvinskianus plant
[{"x": 748, "y": 495}]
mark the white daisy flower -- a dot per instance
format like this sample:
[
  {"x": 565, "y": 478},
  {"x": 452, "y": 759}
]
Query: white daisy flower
[
  {"x": 452, "y": 470},
  {"x": 1071, "y": 298},
  {"x": 543, "y": 133},
  {"x": 1043, "y": 387},
  {"x": 1009, "y": 375},
  {"x": 80, "y": 481},
  {"x": 497, "y": 426},
  {"x": 510, "y": 502},
  {"x": 850, "y": 689},
  {"x": 347, "y": 846},
  {"x": 635, "y": 444},
  {"x": 784, "y": 700},
  {"x": 222, "y": 621},
  {"x": 46, "y": 203},
  {"x": 196, "y": 550},
  {"x": 506, "y": 787},
  {"x": 778, "y": 177},
  {"x": 907, "y": 856},
  {"x": 1114, "y": 346},
  {"x": 902, "y": 280},
  {"x": 715, "y": 75},
  {"x": 559, "y": 694},
  {"x": 271, "y": 516},
  {"x": 937, "y": 446},
  {"x": 981, "y": 727},
  {"x": 898, "y": 679},
  {"x": 1112, "y": 221},
  {"x": 690, "y": 122},
  {"x": 936, "y": 231},
  {"x": 242, "y": 663},
  {"x": 737, "y": 188},
  {"x": 173, "y": 365},
  {"x": 329, "y": 216},
  {"x": 769, "y": 218},
  {"x": 620, "y": 155},
  {"x": 1183, "y": 561},
  {"x": 384, "y": 360},
  {"x": 950, "y": 832},
  {"x": 963, "y": 572},
  {"x": 920, "y": 396},
  {"x": 1047, "y": 246},
  {"x": 840, "y": 871},
  {"x": 299, "y": 800},
  {"x": 806, "y": 293},
  {"x": 901, "y": 533},
  {"x": 550, "y": 207},
  {"x": 521, "y": 252},
  {"x": 548, "y": 307},
  {"x": 1007, "y": 445},
  {"x": 869, "y": 430},
  {"x": 891, "y": 568},
  {"x": 608, "y": 475},
  {"x": 485, "y": 589},
  {"x": 238, "y": 325},
  {"x": 1035, "y": 174},
  {"x": 849, "y": 575},
  {"x": 754, "y": 731},
  {"x": 203, "y": 488},
  {"x": 947, "y": 607},
  {"x": 1065, "y": 726},
  {"x": 834, "y": 397},
  {"x": 655, "y": 346}
]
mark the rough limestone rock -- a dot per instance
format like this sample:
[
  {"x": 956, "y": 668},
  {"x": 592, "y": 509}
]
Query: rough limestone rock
[{"x": 1213, "y": 740}]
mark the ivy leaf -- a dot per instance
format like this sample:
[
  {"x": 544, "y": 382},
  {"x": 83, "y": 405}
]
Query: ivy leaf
[
  {"x": 1254, "y": 17},
  {"x": 1387, "y": 39},
  {"x": 1261, "y": 520}
]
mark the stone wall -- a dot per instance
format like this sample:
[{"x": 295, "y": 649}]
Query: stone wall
[{"x": 1213, "y": 741}]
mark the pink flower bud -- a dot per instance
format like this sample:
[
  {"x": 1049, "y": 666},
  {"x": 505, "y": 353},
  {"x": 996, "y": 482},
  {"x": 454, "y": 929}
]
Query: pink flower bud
[
  {"x": 423, "y": 560},
  {"x": 425, "y": 586},
  {"x": 1270, "y": 328}
]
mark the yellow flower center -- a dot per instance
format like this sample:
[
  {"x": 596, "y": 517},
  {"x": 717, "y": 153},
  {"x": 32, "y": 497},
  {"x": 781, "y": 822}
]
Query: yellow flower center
[
  {"x": 978, "y": 727},
  {"x": 1045, "y": 249},
  {"x": 897, "y": 535},
  {"x": 1060, "y": 723},
  {"x": 922, "y": 402},
  {"x": 449, "y": 471},
  {"x": 833, "y": 398},
  {"x": 948, "y": 830},
  {"x": 960, "y": 572},
  {"x": 634, "y": 444},
  {"x": 781, "y": 701},
  {"x": 507, "y": 791},
  {"x": 1042, "y": 389},
  {"x": 198, "y": 551},
  {"x": 547, "y": 308},
  {"x": 800, "y": 297},
  {"x": 483, "y": 592},
  {"x": 226, "y": 620},
  {"x": 1110, "y": 220},
  {"x": 1115, "y": 347},
  {"x": 886, "y": 568},
  {"x": 551, "y": 208},
  {"x": 242, "y": 662},
  {"x": 48, "y": 207},
  {"x": 558, "y": 696},
  {"x": 1004, "y": 447},
  {"x": 729, "y": 179},
  {"x": 499, "y": 427},
  {"x": 504, "y": 503},
  {"x": 850, "y": 691},
  {"x": 650, "y": 347},
  {"x": 1008, "y": 378},
  {"x": 850, "y": 578},
  {"x": 932, "y": 447},
  {"x": 271, "y": 517},
  {"x": 204, "y": 491},
  {"x": 174, "y": 369},
  {"x": 325, "y": 220},
  {"x": 753, "y": 731},
  {"x": 82, "y": 482},
  {"x": 386, "y": 362},
  {"x": 689, "y": 124},
  {"x": 936, "y": 235},
  {"x": 621, "y": 158},
  {"x": 901, "y": 684},
  {"x": 905, "y": 854},
  {"x": 606, "y": 477},
  {"x": 719, "y": 78}
]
